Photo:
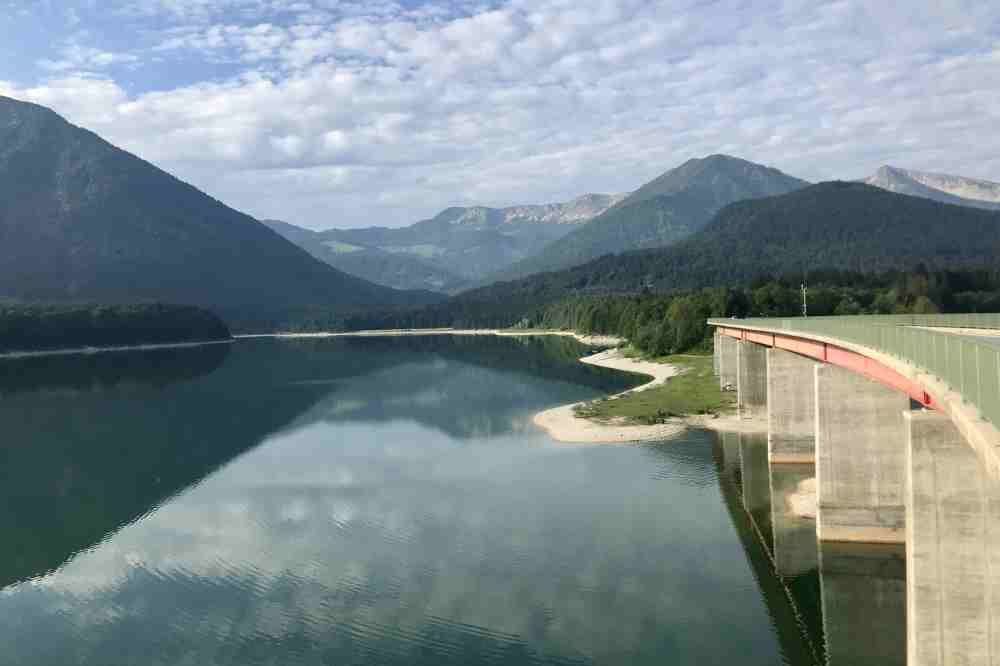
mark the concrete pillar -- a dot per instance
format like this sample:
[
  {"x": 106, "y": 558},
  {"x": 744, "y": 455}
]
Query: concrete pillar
[
  {"x": 751, "y": 380},
  {"x": 863, "y": 592},
  {"x": 716, "y": 352},
  {"x": 953, "y": 548},
  {"x": 791, "y": 408},
  {"x": 727, "y": 362},
  {"x": 860, "y": 458},
  {"x": 794, "y": 536}
]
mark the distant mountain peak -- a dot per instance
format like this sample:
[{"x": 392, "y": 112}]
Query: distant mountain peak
[
  {"x": 729, "y": 178},
  {"x": 945, "y": 188},
  {"x": 580, "y": 209},
  {"x": 664, "y": 210}
]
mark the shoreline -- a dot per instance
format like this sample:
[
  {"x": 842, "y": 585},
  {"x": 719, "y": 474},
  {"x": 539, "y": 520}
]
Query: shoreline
[
  {"x": 592, "y": 340},
  {"x": 563, "y": 425},
  {"x": 104, "y": 350}
]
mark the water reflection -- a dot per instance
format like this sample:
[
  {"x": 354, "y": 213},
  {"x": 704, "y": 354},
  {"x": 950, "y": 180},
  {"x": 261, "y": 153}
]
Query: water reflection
[
  {"x": 338, "y": 503},
  {"x": 93, "y": 442},
  {"x": 794, "y": 547},
  {"x": 388, "y": 501},
  {"x": 862, "y": 582},
  {"x": 828, "y": 593},
  {"x": 93, "y": 372}
]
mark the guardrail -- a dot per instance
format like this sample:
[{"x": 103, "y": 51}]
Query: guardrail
[{"x": 970, "y": 367}]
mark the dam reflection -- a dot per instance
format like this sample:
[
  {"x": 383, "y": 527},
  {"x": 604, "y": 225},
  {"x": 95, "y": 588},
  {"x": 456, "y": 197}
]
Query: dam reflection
[{"x": 831, "y": 590}]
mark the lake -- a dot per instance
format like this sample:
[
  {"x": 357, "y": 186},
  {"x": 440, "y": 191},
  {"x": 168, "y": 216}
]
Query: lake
[{"x": 381, "y": 501}]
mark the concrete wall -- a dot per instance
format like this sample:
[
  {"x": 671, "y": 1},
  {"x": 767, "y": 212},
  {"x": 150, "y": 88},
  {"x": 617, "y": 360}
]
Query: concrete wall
[
  {"x": 860, "y": 458},
  {"x": 953, "y": 548},
  {"x": 791, "y": 408},
  {"x": 751, "y": 380}
]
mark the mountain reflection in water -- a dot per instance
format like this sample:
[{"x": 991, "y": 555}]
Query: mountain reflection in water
[{"x": 366, "y": 501}]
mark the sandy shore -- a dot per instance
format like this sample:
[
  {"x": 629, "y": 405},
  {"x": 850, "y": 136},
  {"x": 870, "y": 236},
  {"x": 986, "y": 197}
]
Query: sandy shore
[
  {"x": 593, "y": 340},
  {"x": 564, "y": 425}
]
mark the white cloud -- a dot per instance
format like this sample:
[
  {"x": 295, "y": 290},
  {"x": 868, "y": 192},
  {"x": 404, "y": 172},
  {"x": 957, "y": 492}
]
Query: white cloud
[
  {"x": 419, "y": 108},
  {"x": 76, "y": 57}
]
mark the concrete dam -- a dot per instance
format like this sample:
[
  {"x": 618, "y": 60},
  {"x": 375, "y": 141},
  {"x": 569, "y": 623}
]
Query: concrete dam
[{"x": 893, "y": 420}]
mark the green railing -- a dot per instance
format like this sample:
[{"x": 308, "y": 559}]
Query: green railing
[{"x": 967, "y": 365}]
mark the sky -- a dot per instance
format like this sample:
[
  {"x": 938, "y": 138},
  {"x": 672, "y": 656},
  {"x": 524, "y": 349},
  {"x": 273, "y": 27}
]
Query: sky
[{"x": 347, "y": 113}]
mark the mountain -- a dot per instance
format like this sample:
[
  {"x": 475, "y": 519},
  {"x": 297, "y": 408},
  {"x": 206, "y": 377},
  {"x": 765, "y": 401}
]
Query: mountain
[
  {"x": 834, "y": 225},
  {"x": 452, "y": 249},
  {"x": 82, "y": 221},
  {"x": 663, "y": 211},
  {"x": 939, "y": 187},
  {"x": 391, "y": 269}
]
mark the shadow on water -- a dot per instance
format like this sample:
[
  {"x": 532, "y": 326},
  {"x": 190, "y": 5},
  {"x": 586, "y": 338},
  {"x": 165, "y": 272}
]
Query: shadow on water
[
  {"x": 832, "y": 603},
  {"x": 92, "y": 443}
]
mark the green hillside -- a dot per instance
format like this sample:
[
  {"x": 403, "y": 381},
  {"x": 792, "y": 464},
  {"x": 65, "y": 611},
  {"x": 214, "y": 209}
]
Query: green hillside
[
  {"x": 661, "y": 212},
  {"x": 836, "y": 225},
  {"x": 82, "y": 221}
]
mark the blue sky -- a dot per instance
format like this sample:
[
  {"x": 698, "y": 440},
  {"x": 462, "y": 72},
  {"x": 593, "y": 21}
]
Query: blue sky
[{"x": 359, "y": 112}]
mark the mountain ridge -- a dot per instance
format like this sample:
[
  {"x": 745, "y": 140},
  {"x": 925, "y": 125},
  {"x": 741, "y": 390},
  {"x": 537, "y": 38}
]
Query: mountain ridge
[
  {"x": 664, "y": 210},
  {"x": 847, "y": 226},
  {"x": 946, "y": 188},
  {"x": 84, "y": 221},
  {"x": 451, "y": 250}
]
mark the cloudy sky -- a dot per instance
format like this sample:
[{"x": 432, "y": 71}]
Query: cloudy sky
[{"x": 358, "y": 112}]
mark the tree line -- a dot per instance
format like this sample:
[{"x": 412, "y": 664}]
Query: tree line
[
  {"x": 47, "y": 327},
  {"x": 661, "y": 324}
]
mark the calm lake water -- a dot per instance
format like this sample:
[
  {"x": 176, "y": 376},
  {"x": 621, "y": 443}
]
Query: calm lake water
[{"x": 376, "y": 501}]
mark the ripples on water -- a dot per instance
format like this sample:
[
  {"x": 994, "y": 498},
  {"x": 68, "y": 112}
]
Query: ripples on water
[{"x": 353, "y": 503}]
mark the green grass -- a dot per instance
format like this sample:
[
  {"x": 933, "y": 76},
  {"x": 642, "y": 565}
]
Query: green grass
[{"x": 694, "y": 391}]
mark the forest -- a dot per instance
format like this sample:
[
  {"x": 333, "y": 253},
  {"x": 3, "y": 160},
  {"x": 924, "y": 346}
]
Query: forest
[
  {"x": 660, "y": 323},
  {"x": 27, "y": 328}
]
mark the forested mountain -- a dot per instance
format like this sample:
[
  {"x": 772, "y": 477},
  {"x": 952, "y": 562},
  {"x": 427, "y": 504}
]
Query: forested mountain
[
  {"x": 399, "y": 270},
  {"x": 452, "y": 249},
  {"x": 663, "y": 211},
  {"x": 83, "y": 221},
  {"x": 939, "y": 187},
  {"x": 835, "y": 225}
]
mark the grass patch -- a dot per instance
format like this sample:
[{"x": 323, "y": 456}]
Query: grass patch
[{"x": 694, "y": 391}]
